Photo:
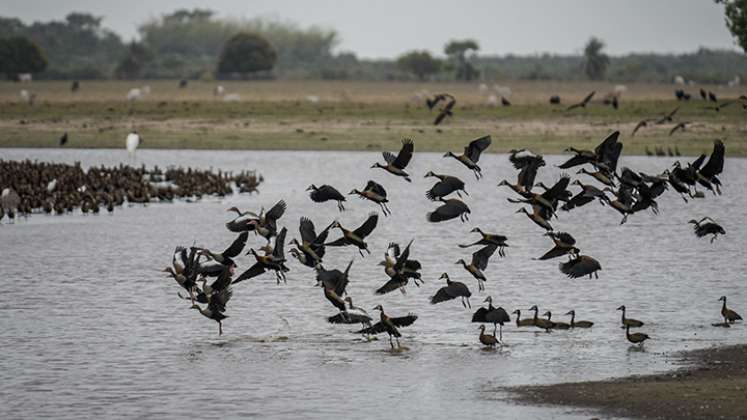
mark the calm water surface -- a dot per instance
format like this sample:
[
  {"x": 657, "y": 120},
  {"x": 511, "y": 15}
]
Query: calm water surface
[{"x": 91, "y": 328}]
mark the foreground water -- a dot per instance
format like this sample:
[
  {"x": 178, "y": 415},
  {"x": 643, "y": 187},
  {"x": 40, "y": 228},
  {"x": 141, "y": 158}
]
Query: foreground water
[{"x": 89, "y": 327}]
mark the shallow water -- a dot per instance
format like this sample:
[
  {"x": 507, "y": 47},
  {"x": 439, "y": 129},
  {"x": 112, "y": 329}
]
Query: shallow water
[{"x": 91, "y": 328}]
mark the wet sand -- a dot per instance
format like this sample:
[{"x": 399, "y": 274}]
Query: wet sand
[{"x": 713, "y": 385}]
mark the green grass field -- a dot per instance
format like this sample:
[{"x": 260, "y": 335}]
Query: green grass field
[{"x": 356, "y": 116}]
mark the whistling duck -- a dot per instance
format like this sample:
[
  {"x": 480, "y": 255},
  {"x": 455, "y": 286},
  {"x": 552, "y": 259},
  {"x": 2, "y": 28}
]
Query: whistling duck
[
  {"x": 496, "y": 316},
  {"x": 601, "y": 176},
  {"x": 556, "y": 325},
  {"x": 564, "y": 244},
  {"x": 399, "y": 268},
  {"x": 583, "y": 102},
  {"x": 580, "y": 266},
  {"x": 310, "y": 250},
  {"x": 472, "y": 153},
  {"x": 578, "y": 324},
  {"x": 351, "y": 315},
  {"x": 526, "y": 322},
  {"x": 486, "y": 339},
  {"x": 446, "y": 185},
  {"x": 389, "y": 325},
  {"x": 540, "y": 322},
  {"x": 635, "y": 338},
  {"x": 450, "y": 209},
  {"x": 396, "y": 164},
  {"x": 628, "y": 322},
  {"x": 452, "y": 290},
  {"x": 729, "y": 315},
  {"x": 488, "y": 239},
  {"x": 216, "y": 306},
  {"x": 711, "y": 228},
  {"x": 478, "y": 264},
  {"x": 274, "y": 260},
  {"x": 376, "y": 193},
  {"x": 356, "y": 237},
  {"x": 536, "y": 217},
  {"x": 326, "y": 193}
]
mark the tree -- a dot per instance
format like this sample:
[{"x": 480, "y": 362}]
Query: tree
[
  {"x": 736, "y": 20},
  {"x": 457, "y": 51},
  {"x": 246, "y": 53},
  {"x": 20, "y": 55},
  {"x": 131, "y": 66},
  {"x": 595, "y": 61},
  {"x": 419, "y": 63}
]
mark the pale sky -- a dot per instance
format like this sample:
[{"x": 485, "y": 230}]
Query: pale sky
[{"x": 375, "y": 29}]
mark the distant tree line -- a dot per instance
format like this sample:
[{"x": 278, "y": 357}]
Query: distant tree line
[{"x": 196, "y": 44}]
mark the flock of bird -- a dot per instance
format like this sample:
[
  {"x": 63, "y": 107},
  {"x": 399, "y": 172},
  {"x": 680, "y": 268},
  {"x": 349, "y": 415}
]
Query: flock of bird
[
  {"x": 623, "y": 190},
  {"x": 35, "y": 187}
]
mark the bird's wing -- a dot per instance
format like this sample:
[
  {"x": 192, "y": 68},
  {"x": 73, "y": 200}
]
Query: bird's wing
[
  {"x": 476, "y": 147},
  {"x": 558, "y": 189},
  {"x": 442, "y": 295},
  {"x": 439, "y": 189},
  {"x": 402, "y": 259},
  {"x": 376, "y": 328},
  {"x": 479, "y": 315},
  {"x": 223, "y": 280},
  {"x": 522, "y": 159},
  {"x": 389, "y": 157},
  {"x": 449, "y": 210},
  {"x": 698, "y": 162},
  {"x": 578, "y": 267},
  {"x": 217, "y": 301},
  {"x": 253, "y": 271},
  {"x": 368, "y": 226},
  {"x": 237, "y": 246},
  {"x": 566, "y": 238},
  {"x": 393, "y": 250},
  {"x": 555, "y": 252},
  {"x": 527, "y": 176},
  {"x": 276, "y": 211},
  {"x": 405, "y": 154},
  {"x": 393, "y": 284},
  {"x": 306, "y": 228},
  {"x": 574, "y": 161},
  {"x": 277, "y": 252},
  {"x": 338, "y": 242},
  {"x": 440, "y": 117},
  {"x": 481, "y": 257},
  {"x": 715, "y": 164},
  {"x": 404, "y": 321},
  {"x": 375, "y": 188}
]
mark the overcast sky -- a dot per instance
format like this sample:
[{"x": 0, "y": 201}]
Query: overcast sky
[{"x": 387, "y": 28}]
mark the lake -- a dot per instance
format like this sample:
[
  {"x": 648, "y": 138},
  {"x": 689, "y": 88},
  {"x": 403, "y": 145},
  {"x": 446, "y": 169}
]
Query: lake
[{"x": 90, "y": 327}]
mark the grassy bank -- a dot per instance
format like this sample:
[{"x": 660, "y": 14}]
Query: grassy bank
[
  {"x": 715, "y": 386},
  {"x": 353, "y": 116}
]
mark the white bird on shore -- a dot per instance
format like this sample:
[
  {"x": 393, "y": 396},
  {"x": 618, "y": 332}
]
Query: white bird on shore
[{"x": 133, "y": 141}]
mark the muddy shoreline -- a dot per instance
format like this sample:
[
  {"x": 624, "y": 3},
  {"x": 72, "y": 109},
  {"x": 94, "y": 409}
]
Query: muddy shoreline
[{"x": 712, "y": 384}]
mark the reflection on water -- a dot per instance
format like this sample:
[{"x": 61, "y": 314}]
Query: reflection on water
[{"x": 90, "y": 327}]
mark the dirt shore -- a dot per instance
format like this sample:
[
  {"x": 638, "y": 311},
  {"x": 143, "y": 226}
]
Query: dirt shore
[{"x": 713, "y": 385}]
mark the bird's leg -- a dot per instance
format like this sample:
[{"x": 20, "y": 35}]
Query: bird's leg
[
  {"x": 469, "y": 305},
  {"x": 390, "y": 341},
  {"x": 402, "y": 289},
  {"x": 463, "y": 304},
  {"x": 361, "y": 252},
  {"x": 495, "y": 327},
  {"x": 596, "y": 276},
  {"x": 500, "y": 333},
  {"x": 399, "y": 346},
  {"x": 220, "y": 328}
]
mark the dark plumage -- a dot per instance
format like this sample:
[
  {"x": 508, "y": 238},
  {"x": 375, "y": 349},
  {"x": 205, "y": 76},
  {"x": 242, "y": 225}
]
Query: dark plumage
[
  {"x": 356, "y": 237},
  {"x": 472, "y": 153},
  {"x": 396, "y": 164},
  {"x": 492, "y": 315},
  {"x": 374, "y": 192},
  {"x": 709, "y": 228},
  {"x": 580, "y": 266},
  {"x": 63, "y": 139},
  {"x": 389, "y": 325},
  {"x": 326, "y": 193},
  {"x": 446, "y": 185},
  {"x": 452, "y": 290},
  {"x": 450, "y": 209}
]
